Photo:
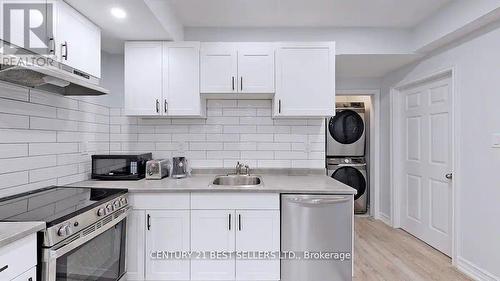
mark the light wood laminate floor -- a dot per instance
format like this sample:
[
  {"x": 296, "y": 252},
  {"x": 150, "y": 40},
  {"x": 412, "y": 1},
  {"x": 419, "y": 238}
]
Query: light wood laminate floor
[{"x": 387, "y": 254}]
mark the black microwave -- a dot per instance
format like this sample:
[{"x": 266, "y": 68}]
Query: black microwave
[{"x": 120, "y": 166}]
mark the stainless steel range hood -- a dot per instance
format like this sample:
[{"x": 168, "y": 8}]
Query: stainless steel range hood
[{"x": 33, "y": 71}]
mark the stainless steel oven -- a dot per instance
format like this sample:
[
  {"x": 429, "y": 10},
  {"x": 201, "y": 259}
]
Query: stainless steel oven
[{"x": 96, "y": 254}]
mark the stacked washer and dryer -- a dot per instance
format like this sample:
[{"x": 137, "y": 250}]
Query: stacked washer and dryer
[{"x": 345, "y": 151}]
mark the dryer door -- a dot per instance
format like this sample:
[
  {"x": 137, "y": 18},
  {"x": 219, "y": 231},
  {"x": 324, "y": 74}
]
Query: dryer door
[
  {"x": 353, "y": 178},
  {"x": 346, "y": 127}
]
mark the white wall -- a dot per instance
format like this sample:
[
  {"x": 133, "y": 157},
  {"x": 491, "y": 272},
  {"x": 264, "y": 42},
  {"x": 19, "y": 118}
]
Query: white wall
[{"x": 477, "y": 66}]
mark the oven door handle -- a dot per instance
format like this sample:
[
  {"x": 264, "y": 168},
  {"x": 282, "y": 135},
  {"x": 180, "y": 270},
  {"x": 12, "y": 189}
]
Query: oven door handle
[{"x": 64, "y": 249}]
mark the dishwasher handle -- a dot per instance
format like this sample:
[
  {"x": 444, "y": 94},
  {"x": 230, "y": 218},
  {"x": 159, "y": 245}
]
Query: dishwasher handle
[{"x": 317, "y": 200}]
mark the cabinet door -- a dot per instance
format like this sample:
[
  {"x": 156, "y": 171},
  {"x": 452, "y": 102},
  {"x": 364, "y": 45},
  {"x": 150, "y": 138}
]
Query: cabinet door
[
  {"x": 258, "y": 231},
  {"x": 305, "y": 80},
  {"x": 78, "y": 40},
  {"x": 181, "y": 79},
  {"x": 167, "y": 231},
  {"x": 135, "y": 245},
  {"x": 212, "y": 231},
  {"x": 143, "y": 78},
  {"x": 256, "y": 70},
  {"x": 219, "y": 66}
]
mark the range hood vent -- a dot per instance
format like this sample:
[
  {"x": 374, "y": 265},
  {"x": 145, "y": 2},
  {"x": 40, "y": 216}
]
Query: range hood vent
[{"x": 54, "y": 77}]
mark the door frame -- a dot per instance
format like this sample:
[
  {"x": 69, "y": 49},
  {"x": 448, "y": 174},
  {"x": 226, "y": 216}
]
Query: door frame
[
  {"x": 374, "y": 165},
  {"x": 396, "y": 149}
]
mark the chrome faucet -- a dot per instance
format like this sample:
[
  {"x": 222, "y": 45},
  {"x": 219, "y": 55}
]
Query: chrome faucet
[{"x": 240, "y": 167}]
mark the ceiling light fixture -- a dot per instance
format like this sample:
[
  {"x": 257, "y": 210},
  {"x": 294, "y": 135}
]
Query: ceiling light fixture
[{"x": 118, "y": 13}]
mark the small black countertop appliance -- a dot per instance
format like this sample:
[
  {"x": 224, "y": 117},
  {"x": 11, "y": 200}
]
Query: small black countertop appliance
[{"x": 120, "y": 166}]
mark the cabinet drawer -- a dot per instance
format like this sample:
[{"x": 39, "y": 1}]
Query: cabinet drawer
[
  {"x": 29, "y": 275},
  {"x": 18, "y": 257},
  {"x": 157, "y": 201},
  {"x": 244, "y": 201}
]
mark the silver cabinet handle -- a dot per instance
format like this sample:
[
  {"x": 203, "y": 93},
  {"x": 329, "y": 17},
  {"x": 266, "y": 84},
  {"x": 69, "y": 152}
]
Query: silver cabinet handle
[
  {"x": 232, "y": 82},
  {"x": 279, "y": 106},
  {"x": 320, "y": 201},
  {"x": 229, "y": 222},
  {"x": 449, "y": 176},
  {"x": 166, "y": 106},
  {"x": 4, "y": 268},
  {"x": 241, "y": 83},
  {"x": 65, "y": 45},
  {"x": 52, "y": 46},
  {"x": 157, "y": 106}
]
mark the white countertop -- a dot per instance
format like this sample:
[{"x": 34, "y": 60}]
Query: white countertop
[
  {"x": 13, "y": 231},
  {"x": 201, "y": 183}
]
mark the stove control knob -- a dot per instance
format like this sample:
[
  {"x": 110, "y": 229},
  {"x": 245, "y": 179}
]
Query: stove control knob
[
  {"x": 63, "y": 231},
  {"x": 101, "y": 212},
  {"x": 116, "y": 204},
  {"x": 109, "y": 208}
]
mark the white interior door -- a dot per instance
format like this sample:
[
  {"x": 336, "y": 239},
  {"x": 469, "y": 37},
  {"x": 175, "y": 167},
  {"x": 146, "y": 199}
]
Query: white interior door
[
  {"x": 426, "y": 197},
  {"x": 168, "y": 231},
  {"x": 212, "y": 231}
]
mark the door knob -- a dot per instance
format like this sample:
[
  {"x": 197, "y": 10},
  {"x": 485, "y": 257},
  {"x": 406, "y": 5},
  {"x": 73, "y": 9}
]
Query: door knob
[{"x": 449, "y": 176}]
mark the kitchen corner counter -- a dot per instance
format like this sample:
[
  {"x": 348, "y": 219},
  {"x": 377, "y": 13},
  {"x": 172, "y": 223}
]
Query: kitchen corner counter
[
  {"x": 320, "y": 184},
  {"x": 13, "y": 231}
]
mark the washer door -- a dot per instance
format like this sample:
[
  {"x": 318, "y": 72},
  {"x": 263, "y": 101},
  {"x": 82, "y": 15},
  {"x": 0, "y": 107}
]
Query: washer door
[
  {"x": 353, "y": 178},
  {"x": 346, "y": 127}
]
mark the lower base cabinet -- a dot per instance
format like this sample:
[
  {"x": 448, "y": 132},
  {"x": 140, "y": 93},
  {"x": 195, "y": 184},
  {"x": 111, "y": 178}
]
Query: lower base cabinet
[
  {"x": 167, "y": 232},
  {"x": 203, "y": 227}
]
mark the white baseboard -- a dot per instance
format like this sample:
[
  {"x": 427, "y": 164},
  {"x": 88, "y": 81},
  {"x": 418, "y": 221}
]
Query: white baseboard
[
  {"x": 384, "y": 218},
  {"x": 473, "y": 271}
]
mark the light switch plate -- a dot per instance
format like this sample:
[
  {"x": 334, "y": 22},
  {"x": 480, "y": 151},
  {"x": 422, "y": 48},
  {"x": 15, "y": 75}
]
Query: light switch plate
[{"x": 495, "y": 140}]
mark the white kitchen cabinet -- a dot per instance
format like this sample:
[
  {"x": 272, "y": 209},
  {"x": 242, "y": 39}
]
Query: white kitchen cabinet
[
  {"x": 305, "y": 80},
  {"x": 258, "y": 230},
  {"x": 256, "y": 70},
  {"x": 167, "y": 230},
  {"x": 237, "y": 68},
  {"x": 212, "y": 231},
  {"x": 162, "y": 79},
  {"x": 143, "y": 78},
  {"x": 18, "y": 259},
  {"x": 219, "y": 69},
  {"x": 77, "y": 40},
  {"x": 181, "y": 79},
  {"x": 135, "y": 245}
]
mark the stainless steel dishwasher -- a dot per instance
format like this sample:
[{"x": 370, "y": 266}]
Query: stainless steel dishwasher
[{"x": 314, "y": 224}]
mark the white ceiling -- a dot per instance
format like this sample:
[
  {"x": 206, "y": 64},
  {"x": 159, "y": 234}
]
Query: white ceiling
[
  {"x": 140, "y": 23},
  {"x": 316, "y": 13}
]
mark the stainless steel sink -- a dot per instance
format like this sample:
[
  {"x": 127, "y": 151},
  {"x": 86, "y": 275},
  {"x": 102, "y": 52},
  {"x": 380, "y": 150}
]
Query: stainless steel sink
[{"x": 237, "y": 181}]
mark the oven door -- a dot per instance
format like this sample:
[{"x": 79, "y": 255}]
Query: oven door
[{"x": 97, "y": 256}]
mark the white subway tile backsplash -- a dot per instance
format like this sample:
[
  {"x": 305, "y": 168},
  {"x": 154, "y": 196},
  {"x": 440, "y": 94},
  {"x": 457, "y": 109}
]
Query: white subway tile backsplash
[
  {"x": 223, "y": 137},
  {"x": 52, "y": 148},
  {"x": 13, "y": 150},
  {"x": 297, "y": 155},
  {"x": 256, "y": 155},
  {"x": 11, "y": 121},
  {"x": 240, "y": 129},
  {"x": 225, "y": 154},
  {"x": 274, "y": 146},
  {"x": 26, "y": 136},
  {"x": 290, "y": 138},
  {"x": 47, "y": 139},
  {"x": 254, "y": 103},
  {"x": 257, "y": 137},
  {"x": 221, "y": 103},
  {"x": 206, "y": 146},
  {"x": 240, "y": 146}
]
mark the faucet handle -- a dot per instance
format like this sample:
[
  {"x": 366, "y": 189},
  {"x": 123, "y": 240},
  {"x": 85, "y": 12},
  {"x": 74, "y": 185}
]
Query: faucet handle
[{"x": 247, "y": 169}]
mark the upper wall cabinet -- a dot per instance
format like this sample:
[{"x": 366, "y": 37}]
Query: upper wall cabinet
[
  {"x": 305, "y": 80},
  {"x": 237, "y": 68},
  {"x": 77, "y": 40},
  {"x": 162, "y": 79}
]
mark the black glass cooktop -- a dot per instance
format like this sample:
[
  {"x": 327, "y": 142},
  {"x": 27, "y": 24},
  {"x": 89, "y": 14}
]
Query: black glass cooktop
[{"x": 53, "y": 204}]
